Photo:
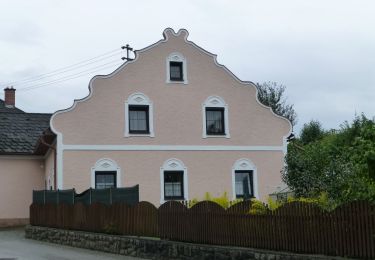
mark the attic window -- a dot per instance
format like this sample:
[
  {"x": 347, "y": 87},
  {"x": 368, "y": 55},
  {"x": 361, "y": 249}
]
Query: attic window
[{"x": 176, "y": 68}]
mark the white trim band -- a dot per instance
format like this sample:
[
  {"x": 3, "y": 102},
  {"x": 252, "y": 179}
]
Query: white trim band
[{"x": 169, "y": 148}]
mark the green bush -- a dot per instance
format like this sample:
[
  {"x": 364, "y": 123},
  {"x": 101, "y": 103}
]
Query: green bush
[
  {"x": 222, "y": 200},
  {"x": 258, "y": 207},
  {"x": 321, "y": 201}
]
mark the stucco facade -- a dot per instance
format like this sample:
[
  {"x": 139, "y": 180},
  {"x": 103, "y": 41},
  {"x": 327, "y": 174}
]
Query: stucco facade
[
  {"x": 19, "y": 176},
  {"x": 96, "y": 127}
]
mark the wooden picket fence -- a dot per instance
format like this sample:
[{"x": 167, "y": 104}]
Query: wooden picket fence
[{"x": 296, "y": 227}]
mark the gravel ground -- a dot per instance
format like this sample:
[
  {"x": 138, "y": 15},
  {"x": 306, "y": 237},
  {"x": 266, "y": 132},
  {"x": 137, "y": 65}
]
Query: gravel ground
[{"x": 14, "y": 245}]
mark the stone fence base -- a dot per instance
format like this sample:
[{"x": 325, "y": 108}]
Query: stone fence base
[{"x": 155, "y": 248}]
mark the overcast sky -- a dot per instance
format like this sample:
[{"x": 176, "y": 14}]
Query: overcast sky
[{"x": 322, "y": 51}]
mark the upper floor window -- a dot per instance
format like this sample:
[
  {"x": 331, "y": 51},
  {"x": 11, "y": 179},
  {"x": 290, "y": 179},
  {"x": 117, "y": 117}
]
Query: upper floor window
[
  {"x": 175, "y": 71},
  {"x": 215, "y": 118},
  {"x": 176, "y": 68},
  {"x": 215, "y": 121},
  {"x": 139, "y": 119},
  {"x": 139, "y": 116}
]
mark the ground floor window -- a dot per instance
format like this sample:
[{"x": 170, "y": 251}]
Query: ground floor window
[
  {"x": 244, "y": 184},
  {"x": 173, "y": 185},
  {"x": 105, "y": 179}
]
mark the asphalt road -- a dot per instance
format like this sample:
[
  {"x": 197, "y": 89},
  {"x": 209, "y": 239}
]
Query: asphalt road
[{"x": 14, "y": 245}]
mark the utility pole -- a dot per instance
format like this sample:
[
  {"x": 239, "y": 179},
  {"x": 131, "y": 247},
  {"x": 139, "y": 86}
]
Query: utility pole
[{"x": 128, "y": 48}]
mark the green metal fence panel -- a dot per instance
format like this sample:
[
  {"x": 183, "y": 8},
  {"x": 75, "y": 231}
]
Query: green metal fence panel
[
  {"x": 38, "y": 196},
  {"x": 66, "y": 196},
  {"x": 128, "y": 196},
  {"x": 109, "y": 196},
  {"x": 51, "y": 197},
  {"x": 101, "y": 196},
  {"x": 84, "y": 197}
]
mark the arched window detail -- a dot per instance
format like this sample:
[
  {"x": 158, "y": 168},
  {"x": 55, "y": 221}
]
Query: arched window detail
[
  {"x": 215, "y": 118},
  {"x": 173, "y": 181},
  {"x": 105, "y": 174},
  {"x": 176, "y": 68},
  {"x": 139, "y": 119},
  {"x": 244, "y": 179}
]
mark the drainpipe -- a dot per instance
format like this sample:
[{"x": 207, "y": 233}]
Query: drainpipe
[{"x": 54, "y": 160}]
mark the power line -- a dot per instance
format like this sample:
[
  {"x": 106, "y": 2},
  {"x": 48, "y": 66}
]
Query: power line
[
  {"x": 70, "y": 77},
  {"x": 60, "y": 72},
  {"x": 66, "y": 68}
]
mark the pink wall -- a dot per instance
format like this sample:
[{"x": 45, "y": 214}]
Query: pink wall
[
  {"x": 208, "y": 171},
  {"x": 18, "y": 178},
  {"x": 177, "y": 107},
  {"x": 99, "y": 119}
]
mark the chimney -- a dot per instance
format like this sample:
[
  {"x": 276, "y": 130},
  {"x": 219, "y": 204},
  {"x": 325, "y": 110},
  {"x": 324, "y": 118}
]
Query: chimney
[{"x": 10, "y": 96}]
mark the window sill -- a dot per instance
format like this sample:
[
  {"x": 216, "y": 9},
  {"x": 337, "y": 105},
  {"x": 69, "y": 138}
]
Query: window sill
[
  {"x": 178, "y": 200},
  {"x": 185, "y": 82},
  {"x": 216, "y": 136},
  {"x": 139, "y": 135}
]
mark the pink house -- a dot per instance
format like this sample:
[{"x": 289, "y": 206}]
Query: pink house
[{"x": 175, "y": 122}]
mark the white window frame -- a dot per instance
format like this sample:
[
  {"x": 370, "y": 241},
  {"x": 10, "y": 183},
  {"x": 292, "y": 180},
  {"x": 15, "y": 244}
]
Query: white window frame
[
  {"x": 173, "y": 164},
  {"x": 178, "y": 57},
  {"x": 244, "y": 165},
  {"x": 139, "y": 99},
  {"x": 106, "y": 165},
  {"x": 216, "y": 102}
]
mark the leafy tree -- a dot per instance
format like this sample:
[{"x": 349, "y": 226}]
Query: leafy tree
[
  {"x": 338, "y": 163},
  {"x": 311, "y": 132},
  {"x": 271, "y": 94}
]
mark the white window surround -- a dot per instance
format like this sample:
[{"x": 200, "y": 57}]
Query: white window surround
[
  {"x": 215, "y": 101},
  {"x": 241, "y": 165},
  {"x": 173, "y": 164},
  {"x": 176, "y": 56},
  {"x": 139, "y": 99},
  {"x": 105, "y": 165}
]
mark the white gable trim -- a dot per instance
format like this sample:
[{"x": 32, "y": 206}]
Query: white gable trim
[
  {"x": 245, "y": 164},
  {"x": 173, "y": 164},
  {"x": 104, "y": 165}
]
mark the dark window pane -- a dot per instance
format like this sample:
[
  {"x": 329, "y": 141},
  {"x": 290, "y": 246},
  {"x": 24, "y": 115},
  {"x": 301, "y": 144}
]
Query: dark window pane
[
  {"x": 215, "y": 121},
  {"x": 175, "y": 70},
  {"x": 244, "y": 184},
  {"x": 173, "y": 185},
  {"x": 105, "y": 180},
  {"x": 138, "y": 119}
]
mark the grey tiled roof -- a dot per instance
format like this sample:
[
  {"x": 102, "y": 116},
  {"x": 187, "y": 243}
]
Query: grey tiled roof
[
  {"x": 20, "y": 131},
  {"x": 3, "y": 108}
]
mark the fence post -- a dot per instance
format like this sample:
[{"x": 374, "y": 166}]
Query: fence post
[
  {"x": 57, "y": 197},
  {"x": 90, "y": 196},
  {"x": 44, "y": 197},
  {"x": 74, "y": 195},
  {"x": 110, "y": 196}
]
